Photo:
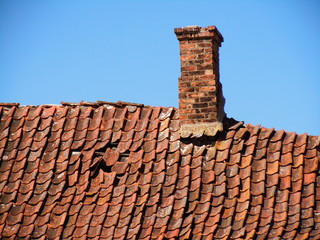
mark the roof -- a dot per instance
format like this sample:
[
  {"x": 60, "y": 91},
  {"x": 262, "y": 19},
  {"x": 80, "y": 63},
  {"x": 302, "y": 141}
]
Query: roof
[{"x": 121, "y": 171}]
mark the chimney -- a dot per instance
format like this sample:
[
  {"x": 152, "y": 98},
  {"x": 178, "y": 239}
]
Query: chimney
[{"x": 201, "y": 103}]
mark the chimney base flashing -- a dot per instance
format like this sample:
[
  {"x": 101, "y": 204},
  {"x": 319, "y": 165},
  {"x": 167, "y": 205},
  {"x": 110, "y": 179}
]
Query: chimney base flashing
[{"x": 197, "y": 130}]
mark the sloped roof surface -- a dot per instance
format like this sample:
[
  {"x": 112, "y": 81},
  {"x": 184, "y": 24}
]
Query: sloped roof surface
[{"x": 122, "y": 172}]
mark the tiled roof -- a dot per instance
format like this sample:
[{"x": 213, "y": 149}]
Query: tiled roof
[{"x": 121, "y": 171}]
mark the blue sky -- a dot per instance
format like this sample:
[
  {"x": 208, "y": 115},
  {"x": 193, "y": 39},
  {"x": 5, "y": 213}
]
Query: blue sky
[{"x": 53, "y": 51}]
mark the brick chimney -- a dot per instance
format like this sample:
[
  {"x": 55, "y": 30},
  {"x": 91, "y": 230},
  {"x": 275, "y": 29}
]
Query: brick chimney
[{"x": 201, "y": 103}]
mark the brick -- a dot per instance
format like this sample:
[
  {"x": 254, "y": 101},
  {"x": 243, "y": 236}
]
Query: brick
[
  {"x": 204, "y": 44},
  {"x": 188, "y": 57},
  {"x": 196, "y": 116},
  {"x": 208, "y": 72},
  {"x": 195, "y": 73},
  {"x": 186, "y": 111},
  {"x": 187, "y": 100},
  {"x": 196, "y": 62},
  {"x": 206, "y": 99},
  {"x": 187, "y": 46},
  {"x": 199, "y": 83},
  {"x": 189, "y": 68},
  {"x": 204, "y": 77},
  {"x": 208, "y": 89},
  {"x": 187, "y": 90},
  {"x": 203, "y": 56},
  {"x": 195, "y": 95},
  {"x": 204, "y": 66},
  {"x": 206, "y": 110},
  {"x": 198, "y": 51}
]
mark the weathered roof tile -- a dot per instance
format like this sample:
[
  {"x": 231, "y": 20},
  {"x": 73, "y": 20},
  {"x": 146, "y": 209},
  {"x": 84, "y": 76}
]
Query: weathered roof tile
[{"x": 122, "y": 172}]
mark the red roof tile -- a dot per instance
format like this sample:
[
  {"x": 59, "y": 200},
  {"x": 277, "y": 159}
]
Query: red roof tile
[{"x": 121, "y": 171}]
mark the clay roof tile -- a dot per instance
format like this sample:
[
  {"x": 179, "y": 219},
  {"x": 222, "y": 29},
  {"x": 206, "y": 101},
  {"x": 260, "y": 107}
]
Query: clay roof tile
[{"x": 122, "y": 171}]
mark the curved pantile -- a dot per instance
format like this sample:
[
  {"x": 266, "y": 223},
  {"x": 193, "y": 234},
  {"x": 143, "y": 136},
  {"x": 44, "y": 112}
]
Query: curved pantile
[{"x": 121, "y": 171}]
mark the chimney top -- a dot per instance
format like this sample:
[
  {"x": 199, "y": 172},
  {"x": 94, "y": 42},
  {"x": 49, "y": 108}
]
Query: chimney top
[
  {"x": 196, "y": 32},
  {"x": 201, "y": 103}
]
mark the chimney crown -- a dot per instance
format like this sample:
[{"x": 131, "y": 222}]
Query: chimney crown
[
  {"x": 200, "y": 94},
  {"x": 196, "y": 32}
]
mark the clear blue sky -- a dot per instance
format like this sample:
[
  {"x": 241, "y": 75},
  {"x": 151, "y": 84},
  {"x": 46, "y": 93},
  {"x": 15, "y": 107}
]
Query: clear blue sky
[{"x": 53, "y": 51}]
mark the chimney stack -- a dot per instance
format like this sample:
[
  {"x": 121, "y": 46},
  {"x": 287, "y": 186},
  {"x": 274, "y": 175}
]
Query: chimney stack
[{"x": 201, "y": 103}]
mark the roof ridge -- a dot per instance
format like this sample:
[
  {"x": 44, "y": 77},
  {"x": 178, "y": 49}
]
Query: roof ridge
[
  {"x": 81, "y": 103},
  {"x": 9, "y": 104}
]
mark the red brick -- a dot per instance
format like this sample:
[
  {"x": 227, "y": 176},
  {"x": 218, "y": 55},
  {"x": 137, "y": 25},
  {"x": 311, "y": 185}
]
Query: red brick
[
  {"x": 187, "y": 100},
  {"x": 188, "y": 57},
  {"x": 204, "y": 66},
  {"x": 187, "y": 46},
  {"x": 190, "y": 68},
  {"x": 204, "y": 44},
  {"x": 208, "y": 89}
]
